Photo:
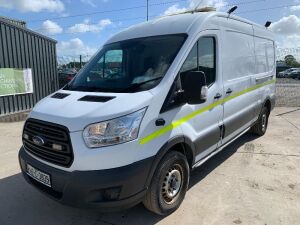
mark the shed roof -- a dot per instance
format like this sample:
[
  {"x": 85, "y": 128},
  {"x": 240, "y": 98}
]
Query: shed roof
[{"x": 8, "y": 23}]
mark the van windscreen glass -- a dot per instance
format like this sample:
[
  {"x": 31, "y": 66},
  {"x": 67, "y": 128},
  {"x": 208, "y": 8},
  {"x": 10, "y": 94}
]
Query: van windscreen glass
[{"x": 129, "y": 66}]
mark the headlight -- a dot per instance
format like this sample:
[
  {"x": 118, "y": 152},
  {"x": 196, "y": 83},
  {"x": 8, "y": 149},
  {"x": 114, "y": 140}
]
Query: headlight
[{"x": 115, "y": 131}]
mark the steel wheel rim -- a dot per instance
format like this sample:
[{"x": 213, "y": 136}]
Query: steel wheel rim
[{"x": 171, "y": 185}]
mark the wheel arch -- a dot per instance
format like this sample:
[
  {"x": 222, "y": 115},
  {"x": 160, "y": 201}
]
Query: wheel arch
[
  {"x": 178, "y": 143},
  {"x": 268, "y": 104}
]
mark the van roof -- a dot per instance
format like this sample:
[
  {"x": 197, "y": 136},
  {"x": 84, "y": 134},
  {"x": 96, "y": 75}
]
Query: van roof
[{"x": 175, "y": 24}]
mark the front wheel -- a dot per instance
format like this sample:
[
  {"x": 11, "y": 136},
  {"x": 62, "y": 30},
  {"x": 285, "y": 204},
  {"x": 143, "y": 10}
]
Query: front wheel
[
  {"x": 260, "y": 127},
  {"x": 169, "y": 184}
]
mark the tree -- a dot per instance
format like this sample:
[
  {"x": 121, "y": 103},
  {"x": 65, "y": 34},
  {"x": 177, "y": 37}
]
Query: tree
[{"x": 291, "y": 61}]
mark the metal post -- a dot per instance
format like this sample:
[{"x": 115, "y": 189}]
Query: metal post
[
  {"x": 80, "y": 59},
  {"x": 147, "y": 10}
]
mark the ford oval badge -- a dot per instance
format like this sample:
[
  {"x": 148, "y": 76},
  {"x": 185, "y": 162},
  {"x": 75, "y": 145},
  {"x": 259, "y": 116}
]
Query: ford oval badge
[{"x": 38, "y": 140}]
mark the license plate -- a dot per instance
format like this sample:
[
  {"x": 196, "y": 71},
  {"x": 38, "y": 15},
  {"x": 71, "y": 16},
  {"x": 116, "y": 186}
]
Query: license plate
[{"x": 39, "y": 175}]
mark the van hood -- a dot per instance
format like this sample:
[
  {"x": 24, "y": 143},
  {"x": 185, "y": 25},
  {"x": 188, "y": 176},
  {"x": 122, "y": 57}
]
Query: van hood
[{"x": 76, "y": 110}]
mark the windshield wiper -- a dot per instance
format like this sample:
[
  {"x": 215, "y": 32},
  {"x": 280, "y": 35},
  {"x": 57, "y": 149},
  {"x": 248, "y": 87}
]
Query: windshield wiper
[{"x": 137, "y": 85}]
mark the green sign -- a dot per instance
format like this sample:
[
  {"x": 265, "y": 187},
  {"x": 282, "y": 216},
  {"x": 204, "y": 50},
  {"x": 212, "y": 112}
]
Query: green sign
[{"x": 15, "y": 81}]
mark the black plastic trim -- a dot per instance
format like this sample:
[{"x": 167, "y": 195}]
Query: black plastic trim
[
  {"x": 95, "y": 98},
  {"x": 206, "y": 141},
  {"x": 60, "y": 95},
  {"x": 86, "y": 188},
  {"x": 238, "y": 121}
]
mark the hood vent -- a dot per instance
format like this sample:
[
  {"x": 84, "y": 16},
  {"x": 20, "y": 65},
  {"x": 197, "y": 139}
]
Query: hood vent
[
  {"x": 95, "y": 98},
  {"x": 59, "y": 95}
]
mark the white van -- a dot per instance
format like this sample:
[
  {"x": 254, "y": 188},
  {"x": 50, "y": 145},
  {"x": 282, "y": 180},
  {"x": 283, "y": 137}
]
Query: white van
[{"x": 158, "y": 100}]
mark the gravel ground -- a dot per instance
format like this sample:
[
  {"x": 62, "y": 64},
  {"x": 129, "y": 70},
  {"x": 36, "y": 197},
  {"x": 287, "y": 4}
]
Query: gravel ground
[
  {"x": 252, "y": 181},
  {"x": 287, "y": 92}
]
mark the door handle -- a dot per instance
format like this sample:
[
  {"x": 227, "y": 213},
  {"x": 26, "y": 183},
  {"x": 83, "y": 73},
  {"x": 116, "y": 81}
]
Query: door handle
[
  {"x": 217, "y": 96},
  {"x": 229, "y": 91}
]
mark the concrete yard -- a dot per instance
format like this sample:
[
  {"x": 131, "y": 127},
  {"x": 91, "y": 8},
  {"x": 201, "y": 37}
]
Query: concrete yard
[{"x": 252, "y": 181}]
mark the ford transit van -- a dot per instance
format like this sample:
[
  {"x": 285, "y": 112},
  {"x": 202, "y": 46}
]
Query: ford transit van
[{"x": 158, "y": 100}]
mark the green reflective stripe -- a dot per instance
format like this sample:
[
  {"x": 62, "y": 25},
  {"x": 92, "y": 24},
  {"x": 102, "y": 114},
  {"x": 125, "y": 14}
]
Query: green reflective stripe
[{"x": 177, "y": 123}]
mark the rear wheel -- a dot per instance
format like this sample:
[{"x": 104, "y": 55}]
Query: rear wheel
[
  {"x": 261, "y": 125},
  {"x": 169, "y": 184}
]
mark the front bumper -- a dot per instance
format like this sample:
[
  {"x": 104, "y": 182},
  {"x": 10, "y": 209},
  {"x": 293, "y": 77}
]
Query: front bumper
[{"x": 109, "y": 189}]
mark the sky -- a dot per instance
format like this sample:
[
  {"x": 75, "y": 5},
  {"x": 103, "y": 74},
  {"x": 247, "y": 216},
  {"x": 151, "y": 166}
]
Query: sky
[{"x": 82, "y": 26}]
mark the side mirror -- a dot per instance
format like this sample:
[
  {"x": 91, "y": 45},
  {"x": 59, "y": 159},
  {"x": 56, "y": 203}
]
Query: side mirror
[{"x": 195, "y": 88}]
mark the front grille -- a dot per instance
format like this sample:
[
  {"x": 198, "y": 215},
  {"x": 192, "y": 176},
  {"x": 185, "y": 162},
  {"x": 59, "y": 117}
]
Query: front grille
[{"x": 55, "y": 146}]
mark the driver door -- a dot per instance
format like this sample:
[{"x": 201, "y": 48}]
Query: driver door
[{"x": 205, "y": 128}]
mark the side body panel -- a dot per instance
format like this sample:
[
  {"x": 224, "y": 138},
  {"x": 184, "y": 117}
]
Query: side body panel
[
  {"x": 265, "y": 66},
  {"x": 238, "y": 59}
]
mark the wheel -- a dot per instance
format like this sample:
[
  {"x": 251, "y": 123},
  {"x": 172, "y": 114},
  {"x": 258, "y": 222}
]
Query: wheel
[
  {"x": 169, "y": 184},
  {"x": 261, "y": 125}
]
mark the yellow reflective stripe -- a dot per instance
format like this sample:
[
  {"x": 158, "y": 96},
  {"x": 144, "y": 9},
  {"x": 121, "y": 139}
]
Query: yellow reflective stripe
[{"x": 177, "y": 123}]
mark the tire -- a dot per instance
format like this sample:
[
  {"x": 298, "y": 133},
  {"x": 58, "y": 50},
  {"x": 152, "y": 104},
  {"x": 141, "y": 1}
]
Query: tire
[
  {"x": 261, "y": 125},
  {"x": 172, "y": 173}
]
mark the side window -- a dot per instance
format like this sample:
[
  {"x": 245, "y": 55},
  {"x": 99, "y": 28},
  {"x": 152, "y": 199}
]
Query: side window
[
  {"x": 191, "y": 63},
  {"x": 113, "y": 63},
  {"x": 109, "y": 66},
  {"x": 202, "y": 58},
  {"x": 207, "y": 58}
]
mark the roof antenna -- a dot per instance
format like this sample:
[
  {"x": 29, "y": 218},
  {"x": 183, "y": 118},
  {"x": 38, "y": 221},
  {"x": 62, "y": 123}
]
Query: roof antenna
[
  {"x": 231, "y": 10},
  {"x": 268, "y": 24}
]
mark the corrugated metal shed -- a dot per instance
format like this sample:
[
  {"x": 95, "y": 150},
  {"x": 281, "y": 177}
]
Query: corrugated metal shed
[
  {"x": 20, "y": 23},
  {"x": 23, "y": 48}
]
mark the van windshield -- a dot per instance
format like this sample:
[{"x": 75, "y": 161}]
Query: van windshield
[{"x": 129, "y": 66}]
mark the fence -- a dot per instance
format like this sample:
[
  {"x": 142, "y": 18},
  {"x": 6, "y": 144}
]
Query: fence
[
  {"x": 282, "y": 52},
  {"x": 22, "y": 48},
  {"x": 75, "y": 62}
]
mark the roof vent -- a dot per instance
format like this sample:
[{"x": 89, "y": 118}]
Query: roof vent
[
  {"x": 95, "y": 98},
  {"x": 59, "y": 95},
  {"x": 205, "y": 9},
  {"x": 196, "y": 10}
]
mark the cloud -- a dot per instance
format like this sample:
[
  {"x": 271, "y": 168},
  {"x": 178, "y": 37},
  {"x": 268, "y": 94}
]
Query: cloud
[
  {"x": 290, "y": 41},
  {"x": 86, "y": 27},
  {"x": 218, "y": 4},
  {"x": 287, "y": 25},
  {"x": 295, "y": 7},
  {"x": 174, "y": 9},
  {"x": 33, "y": 5},
  {"x": 74, "y": 47},
  {"x": 49, "y": 28},
  {"x": 287, "y": 30}
]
